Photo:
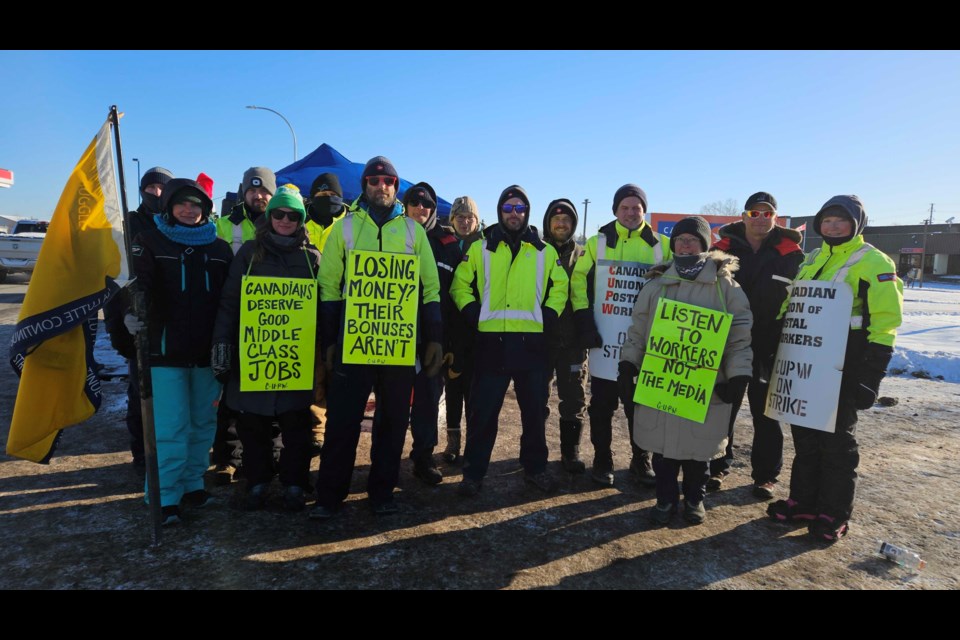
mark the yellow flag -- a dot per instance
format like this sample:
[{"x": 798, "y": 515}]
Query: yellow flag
[{"x": 82, "y": 263}]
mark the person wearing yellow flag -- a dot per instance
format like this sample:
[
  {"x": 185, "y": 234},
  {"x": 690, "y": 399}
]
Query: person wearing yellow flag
[
  {"x": 375, "y": 223},
  {"x": 280, "y": 249},
  {"x": 181, "y": 266}
]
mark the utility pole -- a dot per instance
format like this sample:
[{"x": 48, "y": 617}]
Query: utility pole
[
  {"x": 923, "y": 256},
  {"x": 586, "y": 203}
]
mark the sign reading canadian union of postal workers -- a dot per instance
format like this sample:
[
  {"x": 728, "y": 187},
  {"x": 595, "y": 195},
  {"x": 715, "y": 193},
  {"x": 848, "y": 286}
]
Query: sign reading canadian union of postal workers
[
  {"x": 616, "y": 286},
  {"x": 278, "y": 333},
  {"x": 684, "y": 351},
  {"x": 805, "y": 383},
  {"x": 382, "y": 296}
]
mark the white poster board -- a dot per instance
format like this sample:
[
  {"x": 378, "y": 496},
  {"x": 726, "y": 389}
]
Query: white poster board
[
  {"x": 616, "y": 285},
  {"x": 805, "y": 382}
]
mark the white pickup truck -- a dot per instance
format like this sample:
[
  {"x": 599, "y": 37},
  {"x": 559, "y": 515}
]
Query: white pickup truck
[{"x": 19, "y": 250}]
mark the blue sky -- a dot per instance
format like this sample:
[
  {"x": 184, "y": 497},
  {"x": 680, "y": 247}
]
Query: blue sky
[{"x": 689, "y": 127}]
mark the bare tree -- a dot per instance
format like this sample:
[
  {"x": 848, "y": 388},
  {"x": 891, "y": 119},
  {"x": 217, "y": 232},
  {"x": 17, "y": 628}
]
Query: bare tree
[{"x": 728, "y": 207}]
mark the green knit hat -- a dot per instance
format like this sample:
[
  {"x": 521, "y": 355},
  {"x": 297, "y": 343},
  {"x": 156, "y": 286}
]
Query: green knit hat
[{"x": 288, "y": 196}]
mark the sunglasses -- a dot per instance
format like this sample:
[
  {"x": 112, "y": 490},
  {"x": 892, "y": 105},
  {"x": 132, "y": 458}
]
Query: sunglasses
[
  {"x": 514, "y": 208},
  {"x": 420, "y": 202},
  {"x": 292, "y": 216},
  {"x": 387, "y": 181},
  {"x": 757, "y": 214}
]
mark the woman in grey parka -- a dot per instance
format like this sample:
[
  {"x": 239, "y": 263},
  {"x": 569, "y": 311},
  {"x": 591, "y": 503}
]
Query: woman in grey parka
[{"x": 704, "y": 279}]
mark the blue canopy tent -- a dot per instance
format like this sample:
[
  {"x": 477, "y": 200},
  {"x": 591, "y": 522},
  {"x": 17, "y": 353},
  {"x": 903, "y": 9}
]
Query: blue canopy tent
[{"x": 327, "y": 159}]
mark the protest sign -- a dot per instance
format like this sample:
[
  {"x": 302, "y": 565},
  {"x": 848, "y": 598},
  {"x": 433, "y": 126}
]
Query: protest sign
[
  {"x": 805, "y": 383},
  {"x": 278, "y": 325},
  {"x": 382, "y": 296},
  {"x": 684, "y": 351},
  {"x": 616, "y": 286}
]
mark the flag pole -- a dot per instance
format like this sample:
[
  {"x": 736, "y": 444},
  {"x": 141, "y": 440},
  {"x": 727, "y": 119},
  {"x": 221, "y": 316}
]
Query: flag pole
[{"x": 142, "y": 341}]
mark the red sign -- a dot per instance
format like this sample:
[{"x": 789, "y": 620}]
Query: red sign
[
  {"x": 6, "y": 178},
  {"x": 911, "y": 250}
]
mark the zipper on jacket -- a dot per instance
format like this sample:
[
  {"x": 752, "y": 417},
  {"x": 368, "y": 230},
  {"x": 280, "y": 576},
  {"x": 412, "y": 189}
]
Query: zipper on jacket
[
  {"x": 183, "y": 274},
  {"x": 206, "y": 272}
]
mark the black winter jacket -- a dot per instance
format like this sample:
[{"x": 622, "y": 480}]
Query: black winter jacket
[
  {"x": 765, "y": 277},
  {"x": 283, "y": 262},
  {"x": 182, "y": 286}
]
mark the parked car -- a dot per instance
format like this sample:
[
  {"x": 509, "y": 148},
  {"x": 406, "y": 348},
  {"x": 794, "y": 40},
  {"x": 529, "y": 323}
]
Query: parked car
[{"x": 19, "y": 250}]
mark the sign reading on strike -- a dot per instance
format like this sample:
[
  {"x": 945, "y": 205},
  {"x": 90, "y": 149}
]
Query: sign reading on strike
[
  {"x": 683, "y": 354},
  {"x": 805, "y": 383},
  {"x": 382, "y": 296},
  {"x": 616, "y": 287},
  {"x": 278, "y": 333}
]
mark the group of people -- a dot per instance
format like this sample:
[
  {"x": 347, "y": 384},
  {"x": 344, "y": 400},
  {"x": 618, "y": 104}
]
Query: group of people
[{"x": 508, "y": 303}]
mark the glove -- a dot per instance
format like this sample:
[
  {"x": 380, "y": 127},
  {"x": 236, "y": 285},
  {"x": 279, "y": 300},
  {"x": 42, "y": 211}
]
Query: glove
[
  {"x": 471, "y": 314},
  {"x": 221, "y": 361},
  {"x": 550, "y": 321},
  {"x": 731, "y": 389},
  {"x": 871, "y": 371},
  {"x": 587, "y": 335},
  {"x": 449, "y": 359},
  {"x": 625, "y": 384},
  {"x": 432, "y": 359},
  {"x": 133, "y": 324}
]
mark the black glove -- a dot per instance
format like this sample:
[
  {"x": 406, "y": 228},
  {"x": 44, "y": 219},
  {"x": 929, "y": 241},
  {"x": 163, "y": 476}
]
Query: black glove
[
  {"x": 221, "y": 361},
  {"x": 550, "y": 321},
  {"x": 625, "y": 384},
  {"x": 871, "y": 371},
  {"x": 587, "y": 335},
  {"x": 471, "y": 314},
  {"x": 732, "y": 389}
]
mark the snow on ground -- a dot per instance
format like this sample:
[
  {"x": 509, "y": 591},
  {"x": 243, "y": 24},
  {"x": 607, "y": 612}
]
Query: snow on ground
[{"x": 929, "y": 338}]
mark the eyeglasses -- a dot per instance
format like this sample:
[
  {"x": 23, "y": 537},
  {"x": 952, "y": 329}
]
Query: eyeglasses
[
  {"x": 374, "y": 181},
  {"x": 514, "y": 208},
  {"x": 420, "y": 202},
  {"x": 757, "y": 214},
  {"x": 280, "y": 214}
]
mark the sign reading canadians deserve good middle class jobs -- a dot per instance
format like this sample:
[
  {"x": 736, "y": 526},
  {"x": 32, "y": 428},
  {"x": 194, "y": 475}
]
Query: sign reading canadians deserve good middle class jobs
[
  {"x": 684, "y": 351},
  {"x": 278, "y": 333},
  {"x": 382, "y": 296}
]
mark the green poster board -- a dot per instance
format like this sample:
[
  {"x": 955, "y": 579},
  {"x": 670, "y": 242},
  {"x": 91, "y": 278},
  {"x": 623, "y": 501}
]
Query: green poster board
[
  {"x": 278, "y": 333},
  {"x": 684, "y": 351},
  {"x": 382, "y": 296}
]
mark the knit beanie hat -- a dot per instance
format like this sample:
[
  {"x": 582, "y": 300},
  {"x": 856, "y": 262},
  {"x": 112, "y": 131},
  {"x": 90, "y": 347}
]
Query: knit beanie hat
[
  {"x": 288, "y": 197},
  {"x": 694, "y": 225},
  {"x": 259, "y": 177},
  {"x": 626, "y": 191}
]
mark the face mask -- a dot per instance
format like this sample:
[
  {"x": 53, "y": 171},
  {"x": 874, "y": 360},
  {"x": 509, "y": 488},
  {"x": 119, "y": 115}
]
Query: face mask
[
  {"x": 151, "y": 201},
  {"x": 328, "y": 204}
]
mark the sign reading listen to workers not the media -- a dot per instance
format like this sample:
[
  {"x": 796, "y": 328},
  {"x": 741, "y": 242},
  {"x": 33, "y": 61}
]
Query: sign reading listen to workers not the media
[
  {"x": 278, "y": 332},
  {"x": 382, "y": 294},
  {"x": 805, "y": 383},
  {"x": 684, "y": 351}
]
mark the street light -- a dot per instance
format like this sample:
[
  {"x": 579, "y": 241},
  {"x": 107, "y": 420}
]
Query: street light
[
  {"x": 285, "y": 120},
  {"x": 139, "y": 195}
]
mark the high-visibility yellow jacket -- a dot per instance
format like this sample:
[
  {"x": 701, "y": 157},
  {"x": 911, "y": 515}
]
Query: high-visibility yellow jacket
[
  {"x": 877, "y": 291},
  {"x": 642, "y": 245},
  {"x": 236, "y": 228},
  {"x": 512, "y": 289},
  {"x": 318, "y": 233},
  {"x": 398, "y": 234}
]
